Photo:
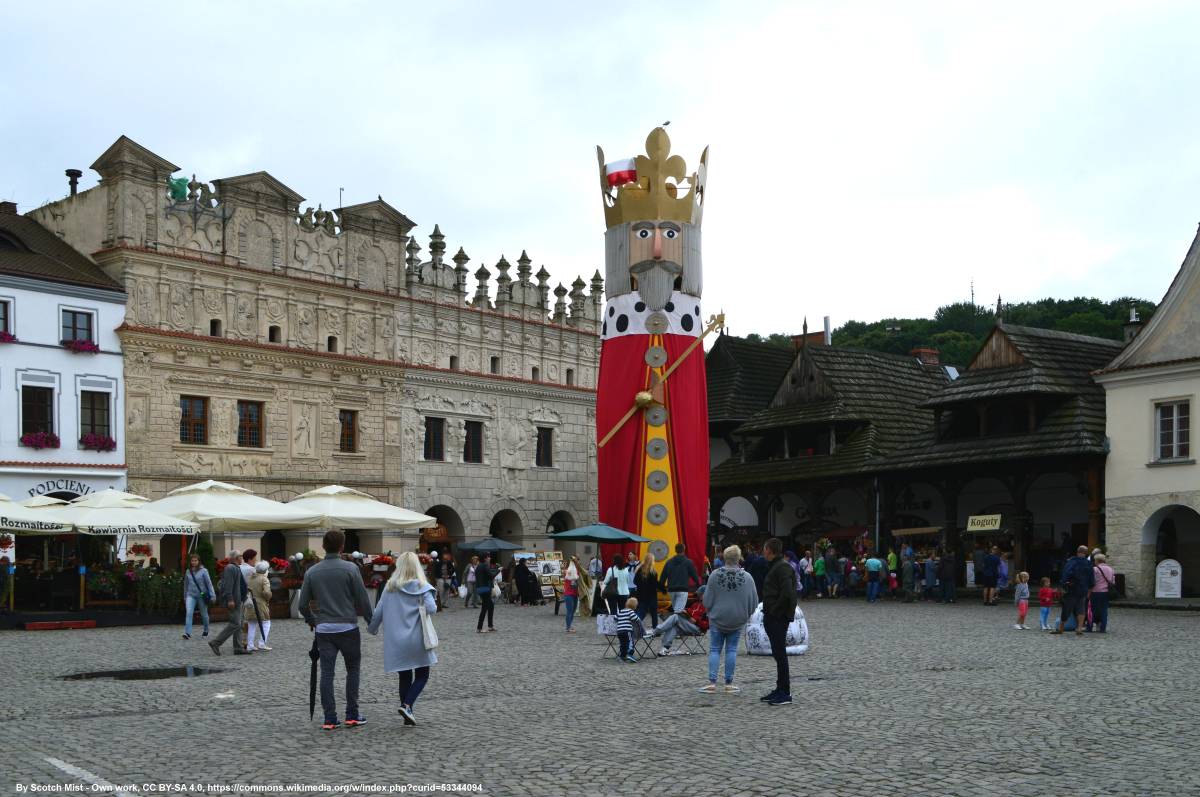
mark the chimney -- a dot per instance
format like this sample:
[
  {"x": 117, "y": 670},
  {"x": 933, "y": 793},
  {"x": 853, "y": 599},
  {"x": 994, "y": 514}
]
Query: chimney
[
  {"x": 8, "y": 207},
  {"x": 73, "y": 176},
  {"x": 828, "y": 332},
  {"x": 927, "y": 356},
  {"x": 1133, "y": 326}
]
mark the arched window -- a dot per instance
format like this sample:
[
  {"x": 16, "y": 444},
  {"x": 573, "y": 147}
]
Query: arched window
[
  {"x": 570, "y": 376},
  {"x": 537, "y": 374},
  {"x": 453, "y": 363},
  {"x": 274, "y": 334},
  {"x": 495, "y": 365},
  {"x": 214, "y": 328},
  {"x": 331, "y": 344}
]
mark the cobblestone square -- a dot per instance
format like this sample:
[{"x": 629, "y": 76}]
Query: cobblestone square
[{"x": 892, "y": 699}]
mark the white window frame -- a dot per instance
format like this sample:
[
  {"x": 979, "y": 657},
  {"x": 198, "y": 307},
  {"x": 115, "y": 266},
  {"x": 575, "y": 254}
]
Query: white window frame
[
  {"x": 33, "y": 377},
  {"x": 1156, "y": 438},
  {"x": 95, "y": 383},
  {"x": 91, "y": 311}
]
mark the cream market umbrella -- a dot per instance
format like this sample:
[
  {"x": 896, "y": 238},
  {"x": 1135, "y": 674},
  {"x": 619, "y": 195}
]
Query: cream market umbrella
[
  {"x": 16, "y": 518},
  {"x": 343, "y": 508},
  {"x": 221, "y": 507},
  {"x": 115, "y": 512}
]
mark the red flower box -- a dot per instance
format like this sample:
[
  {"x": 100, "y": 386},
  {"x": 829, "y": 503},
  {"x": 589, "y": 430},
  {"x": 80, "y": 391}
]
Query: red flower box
[
  {"x": 40, "y": 440},
  {"x": 140, "y": 549},
  {"x": 97, "y": 442},
  {"x": 80, "y": 346},
  {"x": 7, "y": 337},
  {"x": 278, "y": 564}
]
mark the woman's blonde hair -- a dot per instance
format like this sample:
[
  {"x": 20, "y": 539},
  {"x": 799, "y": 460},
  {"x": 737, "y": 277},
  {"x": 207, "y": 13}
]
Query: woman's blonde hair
[
  {"x": 647, "y": 564},
  {"x": 733, "y": 555},
  {"x": 1022, "y": 577},
  {"x": 1100, "y": 558},
  {"x": 408, "y": 568}
]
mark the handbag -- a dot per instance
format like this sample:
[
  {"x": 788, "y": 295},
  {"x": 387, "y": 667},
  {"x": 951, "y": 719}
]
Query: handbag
[
  {"x": 610, "y": 589},
  {"x": 429, "y": 635}
]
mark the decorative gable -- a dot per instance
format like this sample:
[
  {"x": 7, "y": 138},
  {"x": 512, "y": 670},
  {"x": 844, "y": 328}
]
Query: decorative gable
[
  {"x": 376, "y": 216},
  {"x": 998, "y": 351},
  {"x": 126, "y": 157},
  {"x": 803, "y": 383},
  {"x": 258, "y": 188}
]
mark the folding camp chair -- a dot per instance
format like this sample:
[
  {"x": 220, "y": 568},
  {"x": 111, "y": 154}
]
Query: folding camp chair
[{"x": 693, "y": 644}]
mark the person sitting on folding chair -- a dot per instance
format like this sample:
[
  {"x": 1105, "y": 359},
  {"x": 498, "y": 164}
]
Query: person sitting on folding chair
[{"x": 679, "y": 623}]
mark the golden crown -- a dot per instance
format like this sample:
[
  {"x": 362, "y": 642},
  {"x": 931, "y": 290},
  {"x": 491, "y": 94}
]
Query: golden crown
[{"x": 656, "y": 187}]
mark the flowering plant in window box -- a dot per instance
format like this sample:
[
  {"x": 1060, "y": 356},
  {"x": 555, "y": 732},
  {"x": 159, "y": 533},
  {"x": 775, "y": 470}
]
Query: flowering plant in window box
[
  {"x": 97, "y": 442},
  {"x": 141, "y": 549},
  {"x": 7, "y": 337},
  {"x": 6, "y": 541},
  {"x": 278, "y": 564},
  {"x": 40, "y": 440},
  {"x": 80, "y": 346}
]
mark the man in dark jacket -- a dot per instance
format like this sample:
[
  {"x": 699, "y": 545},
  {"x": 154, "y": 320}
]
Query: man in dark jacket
[
  {"x": 341, "y": 596},
  {"x": 757, "y": 567},
  {"x": 232, "y": 591},
  {"x": 1078, "y": 578},
  {"x": 779, "y": 609},
  {"x": 677, "y": 576}
]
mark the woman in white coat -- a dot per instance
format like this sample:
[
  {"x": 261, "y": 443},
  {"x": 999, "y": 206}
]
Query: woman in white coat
[{"x": 399, "y": 613}]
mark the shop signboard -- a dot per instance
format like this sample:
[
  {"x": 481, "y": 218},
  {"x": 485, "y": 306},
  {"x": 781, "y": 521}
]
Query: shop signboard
[{"x": 983, "y": 523}]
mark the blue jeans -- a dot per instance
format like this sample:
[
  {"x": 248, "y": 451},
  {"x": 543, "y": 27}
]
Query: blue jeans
[
  {"x": 716, "y": 640},
  {"x": 570, "y": 601},
  {"x": 872, "y": 591},
  {"x": 191, "y": 603},
  {"x": 411, "y": 684},
  {"x": 1045, "y": 617},
  {"x": 1099, "y": 611}
]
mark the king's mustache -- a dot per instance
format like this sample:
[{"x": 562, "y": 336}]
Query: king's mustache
[{"x": 643, "y": 266}]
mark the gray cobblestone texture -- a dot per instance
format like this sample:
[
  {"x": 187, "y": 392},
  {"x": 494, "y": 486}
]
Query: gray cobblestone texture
[{"x": 892, "y": 699}]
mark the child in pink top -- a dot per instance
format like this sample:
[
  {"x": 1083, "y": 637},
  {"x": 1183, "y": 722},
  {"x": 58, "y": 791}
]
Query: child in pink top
[{"x": 1045, "y": 601}]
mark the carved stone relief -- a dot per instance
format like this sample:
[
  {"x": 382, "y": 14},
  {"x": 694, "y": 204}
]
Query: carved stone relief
[
  {"x": 514, "y": 440},
  {"x": 306, "y": 325},
  {"x": 363, "y": 340},
  {"x": 274, "y": 309},
  {"x": 224, "y": 422},
  {"x": 216, "y": 464},
  {"x": 304, "y": 430},
  {"x": 247, "y": 325},
  {"x": 135, "y": 416},
  {"x": 181, "y": 308},
  {"x": 391, "y": 431}
]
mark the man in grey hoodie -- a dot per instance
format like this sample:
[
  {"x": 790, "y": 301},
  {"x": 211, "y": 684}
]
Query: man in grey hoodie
[
  {"x": 677, "y": 576},
  {"x": 337, "y": 587},
  {"x": 729, "y": 598}
]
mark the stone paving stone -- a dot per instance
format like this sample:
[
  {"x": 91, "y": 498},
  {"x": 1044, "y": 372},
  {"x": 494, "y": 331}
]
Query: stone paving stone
[{"x": 892, "y": 699}]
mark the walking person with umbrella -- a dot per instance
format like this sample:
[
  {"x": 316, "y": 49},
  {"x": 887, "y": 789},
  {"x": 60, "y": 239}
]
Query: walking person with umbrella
[
  {"x": 340, "y": 595},
  {"x": 402, "y": 611}
]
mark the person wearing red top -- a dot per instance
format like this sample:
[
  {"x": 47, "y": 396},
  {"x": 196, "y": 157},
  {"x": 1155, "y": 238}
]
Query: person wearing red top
[
  {"x": 571, "y": 591},
  {"x": 1045, "y": 601}
]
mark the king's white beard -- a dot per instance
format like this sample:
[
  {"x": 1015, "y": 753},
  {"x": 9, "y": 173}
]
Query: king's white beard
[{"x": 655, "y": 286}]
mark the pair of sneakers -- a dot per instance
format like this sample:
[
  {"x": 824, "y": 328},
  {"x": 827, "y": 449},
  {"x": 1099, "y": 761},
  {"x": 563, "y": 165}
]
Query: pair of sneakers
[
  {"x": 632, "y": 659},
  {"x": 711, "y": 689},
  {"x": 776, "y": 698},
  {"x": 350, "y": 723}
]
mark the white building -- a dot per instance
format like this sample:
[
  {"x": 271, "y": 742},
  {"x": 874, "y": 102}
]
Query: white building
[
  {"x": 1152, "y": 483},
  {"x": 67, "y": 402}
]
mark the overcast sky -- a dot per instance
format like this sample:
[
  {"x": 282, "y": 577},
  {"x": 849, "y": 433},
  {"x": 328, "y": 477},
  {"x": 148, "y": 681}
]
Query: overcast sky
[{"x": 867, "y": 160}]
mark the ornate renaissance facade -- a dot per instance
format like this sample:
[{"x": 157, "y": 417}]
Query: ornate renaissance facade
[{"x": 283, "y": 350}]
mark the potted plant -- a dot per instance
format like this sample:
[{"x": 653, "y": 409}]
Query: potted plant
[
  {"x": 278, "y": 564},
  {"x": 80, "y": 346},
  {"x": 141, "y": 549},
  {"x": 40, "y": 440},
  {"x": 97, "y": 442}
]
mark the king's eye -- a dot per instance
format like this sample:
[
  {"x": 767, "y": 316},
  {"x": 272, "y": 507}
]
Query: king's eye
[
  {"x": 670, "y": 235},
  {"x": 643, "y": 233}
]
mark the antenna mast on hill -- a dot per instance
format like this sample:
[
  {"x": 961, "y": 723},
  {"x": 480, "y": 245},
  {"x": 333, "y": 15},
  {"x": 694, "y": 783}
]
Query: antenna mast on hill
[{"x": 972, "y": 291}]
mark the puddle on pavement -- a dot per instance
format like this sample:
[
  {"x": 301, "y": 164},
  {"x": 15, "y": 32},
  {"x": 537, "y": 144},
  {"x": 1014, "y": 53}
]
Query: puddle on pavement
[{"x": 145, "y": 674}]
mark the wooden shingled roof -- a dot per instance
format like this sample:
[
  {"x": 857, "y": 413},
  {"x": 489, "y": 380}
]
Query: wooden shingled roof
[
  {"x": 742, "y": 377},
  {"x": 877, "y": 394},
  {"x": 1033, "y": 362},
  {"x": 1016, "y": 361}
]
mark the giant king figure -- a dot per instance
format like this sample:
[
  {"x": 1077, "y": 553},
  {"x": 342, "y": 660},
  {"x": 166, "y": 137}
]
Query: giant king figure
[{"x": 651, "y": 402}]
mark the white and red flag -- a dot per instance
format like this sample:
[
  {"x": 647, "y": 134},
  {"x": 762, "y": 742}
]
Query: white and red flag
[{"x": 620, "y": 172}]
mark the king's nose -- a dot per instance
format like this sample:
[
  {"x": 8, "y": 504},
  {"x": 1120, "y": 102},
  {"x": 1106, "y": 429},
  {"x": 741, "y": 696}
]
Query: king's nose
[{"x": 657, "y": 245}]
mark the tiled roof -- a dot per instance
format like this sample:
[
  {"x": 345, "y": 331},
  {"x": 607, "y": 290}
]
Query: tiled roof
[
  {"x": 41, "y": 254},
  {"x": 742, "y": 376},
  {"x": 878, "y": 393}
]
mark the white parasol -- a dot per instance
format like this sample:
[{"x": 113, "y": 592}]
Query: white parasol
[
  {"x": 115, "y": 512},
  {"x": 343, "y": 508},
  {"x": 221, "y": 507},
  {"x": 19, "y": 519}
]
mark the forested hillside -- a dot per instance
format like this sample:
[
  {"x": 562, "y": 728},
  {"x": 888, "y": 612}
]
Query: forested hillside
[{"x": 958, "y": 330}]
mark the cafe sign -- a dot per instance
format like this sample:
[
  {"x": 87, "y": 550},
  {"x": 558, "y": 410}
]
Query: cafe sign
[
  {"x": 984, "y": 523},
  {"x": 59, "y": 486}
]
